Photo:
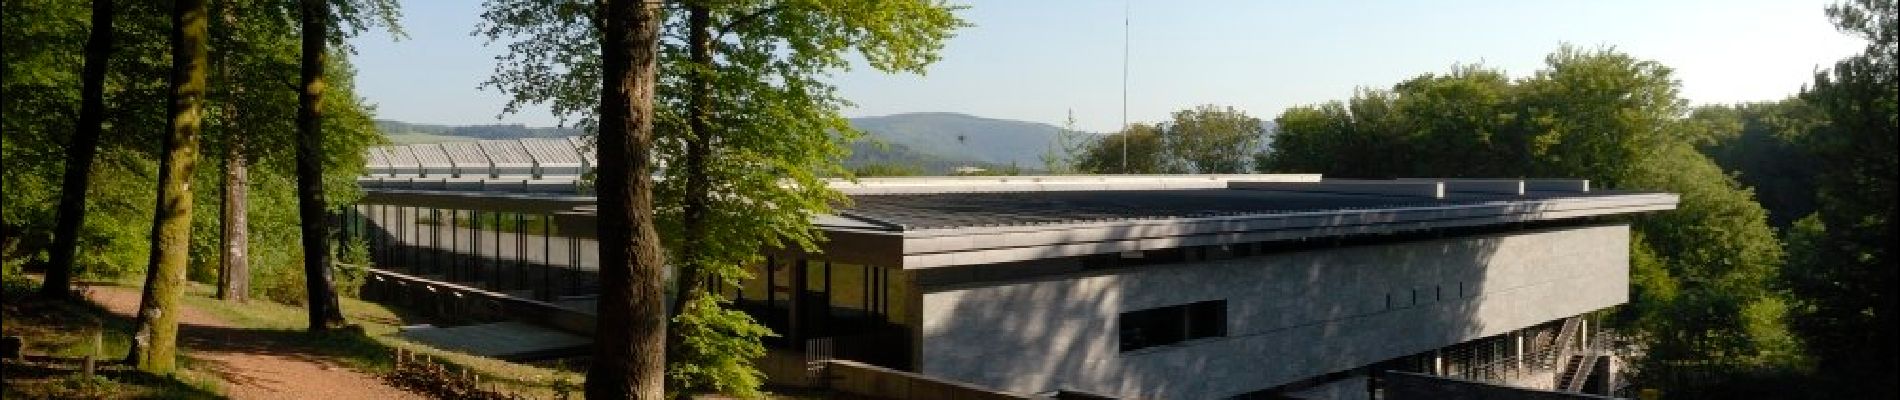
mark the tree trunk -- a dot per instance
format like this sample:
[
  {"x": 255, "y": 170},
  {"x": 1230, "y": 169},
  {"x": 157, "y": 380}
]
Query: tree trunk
[
  {"x": 154, "y": 345},
  {"x": 234, "y": 267},
  {"x": 79, "y": 154},
  {"x": 691, "y": 266},
  {"x": 630, "y": 341},
  {"x": 325, "y": 313}
]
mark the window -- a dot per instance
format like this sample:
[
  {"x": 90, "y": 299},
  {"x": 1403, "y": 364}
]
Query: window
[{"x": 1173, "y": 324}]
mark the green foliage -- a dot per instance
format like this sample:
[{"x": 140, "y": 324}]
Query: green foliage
[
  {"x": 1700, "y": 274},
  {"x": 723, "y": 342},
  {"x": 1206, "y": 139},
  {"x": 1140, "y": 144},
  {"x": 254, "y": 62},
  {"x": 775, "y": 130},
  {"x": 886, "y": 169},
  {"x": 1065, "y": 149},
  {"x": 1761, "y": 144},
  {"x": 1843, "y": 269},
  {"x": 1210, "y": 139}
]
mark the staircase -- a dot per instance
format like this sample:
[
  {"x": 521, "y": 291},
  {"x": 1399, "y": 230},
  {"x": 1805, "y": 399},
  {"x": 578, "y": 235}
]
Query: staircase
[
  {"x": 1560, "y": 344},
  {"x": 1576, "y": 370}
]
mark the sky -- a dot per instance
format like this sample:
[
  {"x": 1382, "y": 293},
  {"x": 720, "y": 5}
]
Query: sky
[{"x": 1043, "y": 60}]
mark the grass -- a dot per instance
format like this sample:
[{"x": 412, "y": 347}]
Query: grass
[
  {"x": 60, "y": 333},
  {"x": 63, "y": 331}
]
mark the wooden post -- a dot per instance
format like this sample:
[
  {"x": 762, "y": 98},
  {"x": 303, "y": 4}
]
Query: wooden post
[{"x": 98, "y": 346}]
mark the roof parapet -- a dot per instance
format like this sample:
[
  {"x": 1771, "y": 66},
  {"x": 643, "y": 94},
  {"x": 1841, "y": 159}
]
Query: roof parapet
[
  {"x": 1429, "y": 189},
  {"x": 1557, "y": 185},
  {"x": 1510, "y": 185},
  {"x": 1476, "y": 185},
  {"x": 1046, "y": 183}
]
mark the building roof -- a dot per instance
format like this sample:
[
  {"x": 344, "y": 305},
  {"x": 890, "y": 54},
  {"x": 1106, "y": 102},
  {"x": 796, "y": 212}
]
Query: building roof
[
  {"x": 929, "y": 222},
  {"x": 996, "y": 209}
]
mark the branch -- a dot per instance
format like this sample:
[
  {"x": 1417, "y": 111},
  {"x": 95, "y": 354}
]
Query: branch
[{"x": 744, "y": 19}]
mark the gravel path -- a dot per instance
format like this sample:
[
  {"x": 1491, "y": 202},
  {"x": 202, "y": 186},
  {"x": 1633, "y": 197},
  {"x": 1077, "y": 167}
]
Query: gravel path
[{"x": 256, "y": 364}]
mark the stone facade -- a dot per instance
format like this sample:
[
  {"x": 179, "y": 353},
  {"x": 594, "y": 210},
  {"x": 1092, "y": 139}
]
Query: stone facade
[{"x": 1290, "y": 315}]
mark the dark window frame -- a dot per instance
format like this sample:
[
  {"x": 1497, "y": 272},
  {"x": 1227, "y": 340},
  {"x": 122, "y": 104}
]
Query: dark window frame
[{"x": 1164, "y": 326}]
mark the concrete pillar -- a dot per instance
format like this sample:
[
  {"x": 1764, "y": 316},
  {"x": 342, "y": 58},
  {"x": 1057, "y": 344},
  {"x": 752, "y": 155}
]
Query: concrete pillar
[
  {"x": 1606, "y": 381},
  {"x": 1438, "y": 362},
  {"x": 1583, "y": 332},
  {"x": 1518, "y": 344}
]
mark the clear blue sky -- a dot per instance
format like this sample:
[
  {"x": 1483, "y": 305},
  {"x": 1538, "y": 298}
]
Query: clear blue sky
[{"x": 1037, "y": 60}]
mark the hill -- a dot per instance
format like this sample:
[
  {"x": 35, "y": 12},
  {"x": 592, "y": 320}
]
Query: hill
[
  {"x": 405, "y": 132},
  {"x": 962, "y": 137}
]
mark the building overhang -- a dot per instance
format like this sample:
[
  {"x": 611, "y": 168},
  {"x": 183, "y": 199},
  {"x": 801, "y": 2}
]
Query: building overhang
[{"x": 862, "y": 237}]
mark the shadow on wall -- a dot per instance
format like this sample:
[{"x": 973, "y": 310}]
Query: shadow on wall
[{"x": 1294, "y": 311}]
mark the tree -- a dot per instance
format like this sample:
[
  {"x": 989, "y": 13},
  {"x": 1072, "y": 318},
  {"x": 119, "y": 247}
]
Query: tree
[
  {"x": 234, "y": 264},
  {"x": 154, "y": 345},
  {"x": 319, "y": 28},
  {"x": 752, "y": 129},
  {"x": 1213, "y": 140},
  {"x": 1761, "y": 144},
  {"x": 1843, "y": 272},
  {"x": 312, "y": 211},
  {"x": 1065, "y": 149},
  {"x": 1700, "y": 274},
  {"x": 630, "y": 340},
  {"x": 253, "y": 59},
  {"x": 1140, "y": 145},
  {"x": 746, "y": 125},
  {"x": 79, "y": 154}
]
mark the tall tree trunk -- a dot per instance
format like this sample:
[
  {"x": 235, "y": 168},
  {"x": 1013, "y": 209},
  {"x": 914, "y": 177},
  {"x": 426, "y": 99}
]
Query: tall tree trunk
[
  {"x": 690, "y": 266},
  {"x": 154, "y": 345},
  {"x": 691, "y": 263},
  {"x": 311, "y": 210},
  {"x": 79, "y": 154},
  {"x": 234, "y": 266},
  {"x": 234, "y": 269},
  {"x": 630, "y": 341}
]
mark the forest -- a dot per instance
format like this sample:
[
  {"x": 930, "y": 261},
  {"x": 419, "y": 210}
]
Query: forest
[
  {"x": 1774, "y": 278},
  {"x": 211, "y": 140}
]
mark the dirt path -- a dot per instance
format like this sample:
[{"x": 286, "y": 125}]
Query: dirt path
[{"x": 256, "y": 364}]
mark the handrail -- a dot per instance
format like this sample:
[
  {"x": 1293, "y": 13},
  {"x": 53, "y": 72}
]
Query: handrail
[
  {"x": 1594, "y": 350},
  {"x": 1561, "y": 344}
]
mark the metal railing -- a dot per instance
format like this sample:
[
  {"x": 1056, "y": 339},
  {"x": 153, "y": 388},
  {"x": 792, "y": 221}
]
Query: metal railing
[
  {"x": 1560, "y": 349},
  {"x": 1594, "y": 349}
]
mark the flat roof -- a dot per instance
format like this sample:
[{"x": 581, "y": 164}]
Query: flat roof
[
  {"x": 930, "y": 222},
  {"x": 995, "y": 209}
]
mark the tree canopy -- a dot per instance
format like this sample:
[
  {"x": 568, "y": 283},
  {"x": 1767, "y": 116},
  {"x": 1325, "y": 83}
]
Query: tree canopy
[
  {"x": 746, "y": 170},
  {"x": 1843, "y": 270},
  {"x": 257, "y": 58},
  {"x": 1700, "y": 273},
  {"x": 1210, "y": 139}
]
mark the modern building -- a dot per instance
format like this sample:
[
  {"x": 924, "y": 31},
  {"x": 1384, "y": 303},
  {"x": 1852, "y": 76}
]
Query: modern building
[{"x": 1174, "y": 286}]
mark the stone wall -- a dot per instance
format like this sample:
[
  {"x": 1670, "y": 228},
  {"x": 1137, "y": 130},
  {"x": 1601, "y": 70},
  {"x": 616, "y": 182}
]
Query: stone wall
[{"x": 1291, "y": 315}]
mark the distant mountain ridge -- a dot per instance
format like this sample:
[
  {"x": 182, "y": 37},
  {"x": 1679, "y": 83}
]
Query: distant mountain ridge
[
  {"x": 933, "y": 141},
  {"x": 492, "y": 131},
  {"x": 963, "y": 137}
]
